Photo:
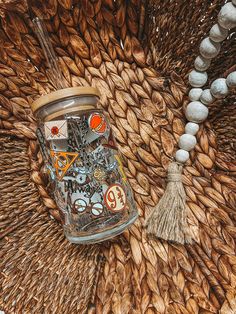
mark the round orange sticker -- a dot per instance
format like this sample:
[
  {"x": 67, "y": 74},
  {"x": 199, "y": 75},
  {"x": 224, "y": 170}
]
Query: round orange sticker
[
  {"x": 97, "y": 123},
  {"x": 115, "y": 198}
]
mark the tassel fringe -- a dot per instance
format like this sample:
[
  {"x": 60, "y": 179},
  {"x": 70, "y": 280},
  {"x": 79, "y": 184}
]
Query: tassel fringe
[{"x": 168, "y": 220}]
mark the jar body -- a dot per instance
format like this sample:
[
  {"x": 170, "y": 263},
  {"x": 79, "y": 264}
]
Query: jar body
[{"x": 87, "y": 179}]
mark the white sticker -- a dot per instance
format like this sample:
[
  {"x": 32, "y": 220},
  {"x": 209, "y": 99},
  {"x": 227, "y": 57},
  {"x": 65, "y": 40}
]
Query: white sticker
[
  {"x": 56, "y": 130},
  {"x": 115, "y": 198}
]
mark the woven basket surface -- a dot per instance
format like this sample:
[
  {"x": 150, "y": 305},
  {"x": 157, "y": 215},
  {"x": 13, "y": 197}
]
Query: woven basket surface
[
  {"x": 37, "y": 264},
  {"x": 138, "y": 54}
]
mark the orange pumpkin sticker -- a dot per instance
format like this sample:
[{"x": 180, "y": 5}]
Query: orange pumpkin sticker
[{"x": 97, "y": 123}]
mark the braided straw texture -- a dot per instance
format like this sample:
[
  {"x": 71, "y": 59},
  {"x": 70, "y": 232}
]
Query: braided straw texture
[
  {"x": 138, "y": 54},
  {"x": 37, "y": 264}
]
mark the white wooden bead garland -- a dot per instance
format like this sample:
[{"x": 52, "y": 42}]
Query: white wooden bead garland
[
  {"x": 227, "y": 16},
  {"x": 197, "y": 78},
  {"x": 202, "y": 64},
  {"x": 209, "y": 49},
  {"x": 191, "y": 128},
  {"x": 219, "y": 88},
  {"x": 195, "y": 94},
  {"x": 187, "y": 142},
  {"x": 182, "y": 156},
  {"x": 231, "y": 78},
  {"x": 168, "y": 220},
  {"x": 207, "y": 97},
  {"x": 218, "y": 33},
  {"x": 197, "y": 111}
]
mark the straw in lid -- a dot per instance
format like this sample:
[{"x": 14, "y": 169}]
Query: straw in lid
[{"x": 64, "y": 93}]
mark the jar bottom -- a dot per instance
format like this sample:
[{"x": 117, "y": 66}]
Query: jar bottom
[{"x": 101, "y": 236}]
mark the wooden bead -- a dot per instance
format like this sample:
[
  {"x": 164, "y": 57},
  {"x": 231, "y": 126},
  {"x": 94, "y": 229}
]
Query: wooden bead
[
  {"x": 227, "y": 16},
  {"x": 196, "y": 112},
  {"x": 206, "y": 97},
  {"x": 201, "y": 64},
  {"x": 218, "y": 33},
  {"x": 219, "y": 88},
  {"x": 187, "y": 142},
  {"x": 197, "y": 79},
  {"x": 231, "y": 79},
  {"x": 181, "y": 156},
  {"x": 209, "y": 49},
  {"x": 194, "y": 94},
  {"x": 191, "y": 128}
]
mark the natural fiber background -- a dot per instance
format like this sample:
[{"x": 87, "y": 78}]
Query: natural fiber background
[
  {"x": 40, "y": 271},
  {"x": 138, "y": 54}
]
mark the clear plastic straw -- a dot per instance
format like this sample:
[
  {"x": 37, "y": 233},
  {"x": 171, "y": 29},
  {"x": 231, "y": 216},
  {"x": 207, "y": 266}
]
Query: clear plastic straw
[{"x": 54, "y": 71}]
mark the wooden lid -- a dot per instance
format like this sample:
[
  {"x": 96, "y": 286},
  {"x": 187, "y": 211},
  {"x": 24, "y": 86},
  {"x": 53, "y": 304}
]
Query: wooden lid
[{"x": 64, "y": 93}]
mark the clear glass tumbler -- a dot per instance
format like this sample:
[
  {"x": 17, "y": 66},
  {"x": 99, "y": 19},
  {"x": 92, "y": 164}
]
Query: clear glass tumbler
[{"x": 87, "y": 179}]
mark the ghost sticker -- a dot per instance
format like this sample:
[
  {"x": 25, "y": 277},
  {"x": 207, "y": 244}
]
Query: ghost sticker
[{"x": 115, "y": 198}]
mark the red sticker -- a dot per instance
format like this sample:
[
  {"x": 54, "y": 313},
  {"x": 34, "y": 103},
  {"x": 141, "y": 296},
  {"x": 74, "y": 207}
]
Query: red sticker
[
  {"x": 54, "y": 130},
  {"x": 115, "y": 198},
  {"x": 97, "y": 123}
]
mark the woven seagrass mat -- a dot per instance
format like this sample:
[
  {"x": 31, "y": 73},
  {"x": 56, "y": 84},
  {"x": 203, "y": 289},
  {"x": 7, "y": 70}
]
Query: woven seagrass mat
[
  {"x": 40, "y": 271},
  {"x": 138, "y": 54}
]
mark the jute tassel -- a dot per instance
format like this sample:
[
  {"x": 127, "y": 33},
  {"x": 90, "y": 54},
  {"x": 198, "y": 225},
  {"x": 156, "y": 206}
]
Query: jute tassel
[{"x": 168, "y": 220}]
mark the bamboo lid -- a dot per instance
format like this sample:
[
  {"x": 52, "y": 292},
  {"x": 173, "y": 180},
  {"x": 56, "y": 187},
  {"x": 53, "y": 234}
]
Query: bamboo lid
[{"x": 64, "y": 93}]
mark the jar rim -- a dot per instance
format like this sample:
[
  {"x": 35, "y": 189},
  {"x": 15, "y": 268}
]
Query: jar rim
[{"x": 64, "y": 93}]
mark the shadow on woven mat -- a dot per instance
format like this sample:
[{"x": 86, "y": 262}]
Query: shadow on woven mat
[
  {"x": 98, "y": 43},
  {"x": 40, "y": 271}
]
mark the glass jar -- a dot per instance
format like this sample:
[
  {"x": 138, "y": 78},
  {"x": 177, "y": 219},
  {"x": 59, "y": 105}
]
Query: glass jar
[{"x": 87, "y": 179}]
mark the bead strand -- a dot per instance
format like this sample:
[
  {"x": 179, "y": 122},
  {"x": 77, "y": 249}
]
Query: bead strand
[{"x": 196, "y": 110}]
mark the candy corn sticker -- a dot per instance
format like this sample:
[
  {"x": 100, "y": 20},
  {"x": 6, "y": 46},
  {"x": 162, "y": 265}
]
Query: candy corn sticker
[{"x": 97, "y": 123}]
